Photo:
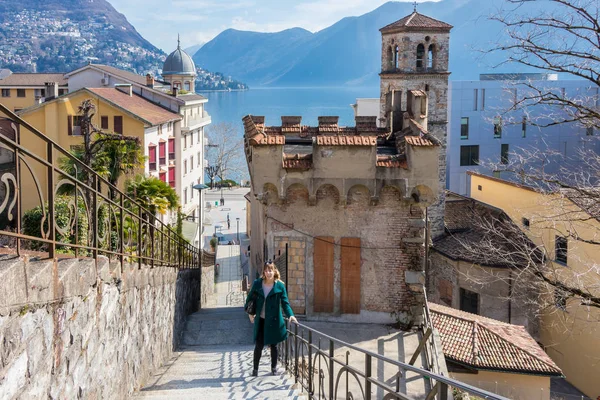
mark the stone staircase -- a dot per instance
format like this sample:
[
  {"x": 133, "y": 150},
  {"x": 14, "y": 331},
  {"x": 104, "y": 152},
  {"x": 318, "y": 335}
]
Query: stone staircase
[{"x": 218, "y": 326}]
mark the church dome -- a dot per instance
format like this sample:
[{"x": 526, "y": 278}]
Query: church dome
[{"x": 179, "y": 63}]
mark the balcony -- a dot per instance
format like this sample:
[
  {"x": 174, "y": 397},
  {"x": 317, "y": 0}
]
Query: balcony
[{"x": 196, "y": 122}]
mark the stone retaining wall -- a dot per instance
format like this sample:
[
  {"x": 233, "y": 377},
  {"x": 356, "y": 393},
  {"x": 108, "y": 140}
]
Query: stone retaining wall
[{"x": 87, "y": 329}]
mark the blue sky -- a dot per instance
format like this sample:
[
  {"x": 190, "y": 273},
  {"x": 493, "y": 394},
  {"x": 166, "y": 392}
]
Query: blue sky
[{"x": 199, "y": 21}]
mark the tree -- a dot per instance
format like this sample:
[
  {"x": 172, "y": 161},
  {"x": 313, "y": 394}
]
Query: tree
[
  {"x": 560, "y": 36},
  {"x": 226, "y": 153},
  {"x": 153, "y": 194}
]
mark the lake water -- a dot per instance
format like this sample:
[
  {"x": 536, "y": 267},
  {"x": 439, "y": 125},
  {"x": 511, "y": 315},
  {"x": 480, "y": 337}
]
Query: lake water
[{"x": 310, "y": 103}]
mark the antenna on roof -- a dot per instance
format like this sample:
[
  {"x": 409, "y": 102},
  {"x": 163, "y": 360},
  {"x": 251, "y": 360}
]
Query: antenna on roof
[{"x": 415, "y": 4}]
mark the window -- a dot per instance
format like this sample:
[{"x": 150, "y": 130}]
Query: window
[
  {"x": 5, "y": 92},
  {"x": 37, "y": 93},
  {"x": 525, "y": 222},
  {"x": 430, "y": 52},
  {"x": 184, "y": 142},
  {"x": 187, "y": 86},
  {"x": 524, "y": 127},
  {"x": 104, "y": 122},
  {"x": 496, "y": 174},
  {"x": 469, "y": 155},
  {"x": 497, "y": 127},
  {"x": 469, "y": 301},
  {"x": 172, "y": 176},
  {"x": 162, "y": 156},
  {"x": 198, "y": 138},
  {"x": 192, "y": 190},
  {"x": 152, "y": 158},
  {"x": 162, "y": 176},
  {"x": 118, "y": 124},
  {"x": 20, "y": 92},
  {"x": 184, "y": 167},
  {"x": 475, "y": 99},
  {"x": 62, "y": 91},
  {"x": 191, "y": 163},
  {"x": 191, "y": 139},
  {"x": 589, "y": 131},
  {"x": 560, "y": 249},
  {"x": 185, "y": 196},
  {"x": 420, "y": 56},
  {"x": 482, "y": 99},
  {"x": 504, "y": 153},
  {"x": 397, "y": 57},
  {"x": 560, "y": 299},
  {"x": 480, "y": 188},
  {"x": 74, "y": 124},
  {"x": 198, "y": 158},
  {"x": 171, "y": 149},
  {"x": 464, "y": 128}
]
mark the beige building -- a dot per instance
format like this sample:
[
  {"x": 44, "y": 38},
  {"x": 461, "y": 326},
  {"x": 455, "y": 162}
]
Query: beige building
[
  {"x": 463, "y": 277},
  {"x": 22, "y": 90},
  {"x": 492, "y": 355},
  {"x": 566, "y": 225}
]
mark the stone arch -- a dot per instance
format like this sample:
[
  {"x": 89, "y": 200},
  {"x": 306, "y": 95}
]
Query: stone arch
[
  {"x": 423, "y": 194},
  {"x": 390, "y": 195},
  {"x": 296, "y": 192},
  {"x": 359, "y": 195},
  {"x": 420, "y": 56},
  {"x": 328, "y": 194},
  {"x": 269, "y": 193}
]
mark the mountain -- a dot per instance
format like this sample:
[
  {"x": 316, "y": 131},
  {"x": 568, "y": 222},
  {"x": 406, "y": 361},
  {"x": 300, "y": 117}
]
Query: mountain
[
  {"x": 349, "y": 51},
  {"x": 62, "y": 35},
  {"x": 193, "y": 49}
]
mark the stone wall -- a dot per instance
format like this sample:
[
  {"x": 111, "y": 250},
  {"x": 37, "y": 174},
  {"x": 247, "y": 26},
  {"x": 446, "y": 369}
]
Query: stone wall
[{"x": 87, "y": 329}]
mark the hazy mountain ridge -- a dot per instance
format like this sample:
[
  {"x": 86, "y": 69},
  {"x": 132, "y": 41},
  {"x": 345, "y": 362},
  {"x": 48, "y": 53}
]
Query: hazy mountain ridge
[{"x": 349, "y": 51}]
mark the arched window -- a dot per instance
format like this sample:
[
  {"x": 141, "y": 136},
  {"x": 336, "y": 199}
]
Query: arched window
[
  {"x": 177, "y": 84},
  {"x": 397, "y": 57},
  {"x": 420, "y": 56},
  {"x": 390, "y": 58},
  {"x": 187, "y": 86},
  {"x": 430, "y": 56}
]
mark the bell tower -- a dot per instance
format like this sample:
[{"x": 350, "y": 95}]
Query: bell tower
[{"x": 414, "y": 57}]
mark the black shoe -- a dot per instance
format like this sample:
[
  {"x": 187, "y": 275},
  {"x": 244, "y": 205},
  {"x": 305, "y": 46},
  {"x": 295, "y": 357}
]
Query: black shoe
[
  {"x": 254, "y": 372},
  {"x": 274, "y": 371}
]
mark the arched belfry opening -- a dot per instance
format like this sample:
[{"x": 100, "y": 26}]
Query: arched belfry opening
[
  {"x": 390, "y": 58},
  {"x": 420, "y": 56},
  {"x": 430, "y": 55}
]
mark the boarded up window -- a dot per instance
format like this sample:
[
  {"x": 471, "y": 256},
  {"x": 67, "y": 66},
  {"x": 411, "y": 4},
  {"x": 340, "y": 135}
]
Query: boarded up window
[
  {"x": 350, "y": 274},
  {"x": 323, "y": 267}
]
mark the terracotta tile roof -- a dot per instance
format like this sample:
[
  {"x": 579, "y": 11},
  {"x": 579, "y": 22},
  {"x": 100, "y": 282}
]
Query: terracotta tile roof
[
  {"x": 136, "y": 105},
  {"x": 484, "y": 343},
  {"x": 416, "y": 21},
  {"x": 274, "y": 130},
  {"x": 251, "y": 132},
  {"x": 190, "y": 96},
  {"x": 122, "y": 73},
  {"x": 347, "y": 140},
  {"x": 391, "y": 162},
  {"x": 586, "y": 199},
  {"x": 297, "y": 161},
  {"x": 29, "y": 79},
  {"x": 418, "y": 141}
]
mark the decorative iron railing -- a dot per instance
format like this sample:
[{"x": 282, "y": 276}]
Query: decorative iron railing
[
  {"x": 45, "y": 209},
  {"x": 328, "y": 368}
]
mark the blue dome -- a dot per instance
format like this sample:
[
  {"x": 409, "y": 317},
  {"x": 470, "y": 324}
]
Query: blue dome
[{"x": 179, "y": 63}]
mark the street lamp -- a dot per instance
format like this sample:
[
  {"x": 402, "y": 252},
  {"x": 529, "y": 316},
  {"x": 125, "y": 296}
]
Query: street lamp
[
  {"x": 238, "y": 230},
  {"x": 200, "y": 187}
]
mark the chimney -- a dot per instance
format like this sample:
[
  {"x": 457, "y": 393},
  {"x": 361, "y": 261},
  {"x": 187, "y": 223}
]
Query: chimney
[
  {"x": 328, "y": 125},
  {"x": 125, "y": 88},
  {"x": 366, "y": 124},
  {"x": 174, "y": 91},
  {"x": 51, "y": 90},
  {"x": 150, "y": 81}
]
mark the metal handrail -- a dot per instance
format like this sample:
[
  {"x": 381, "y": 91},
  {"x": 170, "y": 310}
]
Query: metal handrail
[
  {"x": 295, "y": 346},
  {"x": 118, "y": 226}
]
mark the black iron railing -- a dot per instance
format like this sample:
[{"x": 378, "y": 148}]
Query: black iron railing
[
  {"x": 45, "y": 209},
  {"x": 328, "y": 368}
]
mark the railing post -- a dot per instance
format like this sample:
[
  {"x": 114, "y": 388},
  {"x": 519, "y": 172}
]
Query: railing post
[
  {"x": 51, "y": 213},
  {"x": 140, "y": 237},
  {"x": 367, "y": 377},
  {"x": 331, "y": 364},
  {"x": 96, "y": 242},
  {"x": 18, "y": 196},
  {"x": 295, "y": 353},
  {"x": 310, "y": 374},
  {"x": 443, "y": 391},
  {"x": 122, "y": 232}
]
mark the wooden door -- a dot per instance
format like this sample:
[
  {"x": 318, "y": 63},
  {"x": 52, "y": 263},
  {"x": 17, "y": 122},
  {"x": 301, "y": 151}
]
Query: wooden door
[
  {"x": 350, "y": 276},
  {"x": 323, "y": 274}
]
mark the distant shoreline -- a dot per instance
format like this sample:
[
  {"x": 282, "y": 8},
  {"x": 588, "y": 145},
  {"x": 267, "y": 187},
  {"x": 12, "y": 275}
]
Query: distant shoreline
[{"x": 222, "y": 90}]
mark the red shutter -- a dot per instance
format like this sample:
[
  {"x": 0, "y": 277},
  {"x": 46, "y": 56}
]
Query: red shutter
[
  {"x": 172, "y": 176},
  {"x": 161, "y": 150},
  {"x": 162, "y": 176},
  {"x": 171, "y": 147},
  {"x": 70, "y": 124},
  {"x": 152, "y": 153}
]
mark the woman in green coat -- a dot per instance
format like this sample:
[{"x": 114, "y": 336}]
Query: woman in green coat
[{"x": 269, "y": 328}]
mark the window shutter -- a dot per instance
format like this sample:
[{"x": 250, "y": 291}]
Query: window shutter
[
  {"x": 152, "y": 153},
  {"x": 118, "y": 124},
  {"x": 70, "y": 124},
  {"x": 104, "y": 122}
]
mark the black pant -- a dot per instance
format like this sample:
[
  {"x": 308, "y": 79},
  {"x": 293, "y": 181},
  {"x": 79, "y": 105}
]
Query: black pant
[{"x": 260, "y": 344}]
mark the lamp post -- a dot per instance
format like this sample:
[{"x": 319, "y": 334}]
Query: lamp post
[
  {"x": 238, "y": 230},
  {"x": 200, "y": 187}
]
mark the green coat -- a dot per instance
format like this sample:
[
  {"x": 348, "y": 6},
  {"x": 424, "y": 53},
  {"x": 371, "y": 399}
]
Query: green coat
[{"x": 277, "y": 300}]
